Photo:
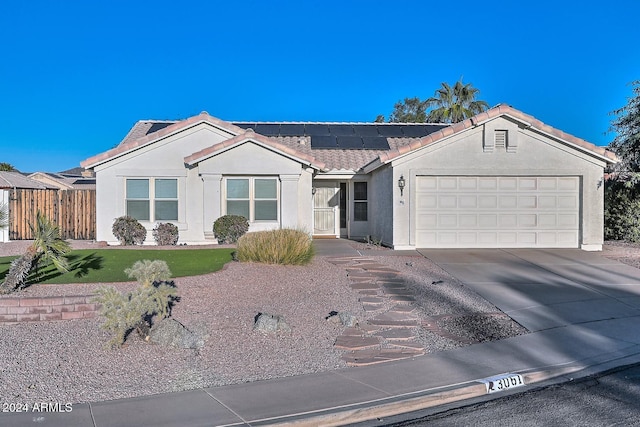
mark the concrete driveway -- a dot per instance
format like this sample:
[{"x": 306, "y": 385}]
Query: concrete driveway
[{"x": 546, "y": 288}]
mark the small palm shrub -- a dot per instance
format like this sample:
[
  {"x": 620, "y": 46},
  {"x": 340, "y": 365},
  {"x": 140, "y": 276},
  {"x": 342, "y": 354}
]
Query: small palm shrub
[
  {"x": 129, "y": 231},
  {"x": 136, "y": 310},
  {"x": 229, "y": 228},
  {"x": 48, "y": 247},
  {"x": 165, "y": 234},
  {"x": 284, "y": 246}
]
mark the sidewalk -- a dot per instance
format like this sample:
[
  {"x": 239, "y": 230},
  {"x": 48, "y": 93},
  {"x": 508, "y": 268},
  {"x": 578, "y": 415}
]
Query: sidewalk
[{"x": 601, "y": 337}]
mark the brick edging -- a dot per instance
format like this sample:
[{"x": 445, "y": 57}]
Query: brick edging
[{"x": 44, "y": 309}]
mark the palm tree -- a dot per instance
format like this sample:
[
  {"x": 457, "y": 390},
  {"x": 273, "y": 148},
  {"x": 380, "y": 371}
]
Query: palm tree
[
  {"x": 47, "y": 247},
  {"x": 7, "y": 167},
  {"x": 454, "y": 104}
]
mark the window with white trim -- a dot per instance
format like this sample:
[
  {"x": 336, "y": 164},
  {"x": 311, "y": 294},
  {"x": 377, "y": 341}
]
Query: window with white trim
[
  {"x": 253, "y": 198},
  {"x": 360, "y": 202},
  {"x": 152, "y": 199}
]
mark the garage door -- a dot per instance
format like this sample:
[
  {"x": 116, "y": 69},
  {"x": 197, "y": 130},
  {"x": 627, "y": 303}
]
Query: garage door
[{"x": 497, "y": 212}]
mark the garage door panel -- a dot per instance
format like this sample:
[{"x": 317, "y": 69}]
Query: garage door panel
[{"x": 497, "y": 211}]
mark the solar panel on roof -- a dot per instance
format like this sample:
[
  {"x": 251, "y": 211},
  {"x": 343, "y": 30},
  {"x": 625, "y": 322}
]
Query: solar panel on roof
[
  {"x": 414, "y": 131},
  {"x": 316, "y": 129},
  {"x": 268, "y": 129},
  {"x": 375, "y": 143},
  {"x": 292, "y": 129},
  {"x": 246, "y": 125},
  {"x": 323, "y": 141},
  {"x": 350, "y": 141},
  {"x": 365, "y": 130},
  {"x": 393, "y": 131},
  {"x": 341, "y": 130}
]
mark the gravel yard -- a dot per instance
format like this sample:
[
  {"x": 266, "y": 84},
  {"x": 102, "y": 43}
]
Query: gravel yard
[{"x": 67, "y": 361}]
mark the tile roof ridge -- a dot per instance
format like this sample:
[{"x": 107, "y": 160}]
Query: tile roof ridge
[
  {"x": 497, "y": 111},
  {"x": 252, "y": 122}
]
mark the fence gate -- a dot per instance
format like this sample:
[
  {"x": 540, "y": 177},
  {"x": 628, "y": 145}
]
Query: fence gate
[{"x": 74, "y": 211}]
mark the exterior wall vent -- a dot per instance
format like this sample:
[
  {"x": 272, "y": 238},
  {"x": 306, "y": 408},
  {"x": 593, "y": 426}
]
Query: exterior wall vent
[{"x": 501, "y": 139}]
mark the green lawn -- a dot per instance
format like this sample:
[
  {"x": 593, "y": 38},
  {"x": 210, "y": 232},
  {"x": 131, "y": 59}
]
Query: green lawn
[{"x": 108, "y": 265}]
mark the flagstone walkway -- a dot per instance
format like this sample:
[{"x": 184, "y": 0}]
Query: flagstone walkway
[{"x": 391, "y": 333}]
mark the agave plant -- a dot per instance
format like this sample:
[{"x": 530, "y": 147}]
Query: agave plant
[{"x": 47, "y": 247}]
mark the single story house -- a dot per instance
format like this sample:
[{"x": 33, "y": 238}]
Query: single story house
[{"x": 499, "y": 179}]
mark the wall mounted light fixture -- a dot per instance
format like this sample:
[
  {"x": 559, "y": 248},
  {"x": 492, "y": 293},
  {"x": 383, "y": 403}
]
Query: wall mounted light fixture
[
  {"x": 401, "y": 184},
  {"x": 313, "y": 190}
]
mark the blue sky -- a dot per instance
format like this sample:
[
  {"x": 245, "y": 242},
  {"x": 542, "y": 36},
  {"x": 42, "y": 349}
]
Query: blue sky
[{"x": 76, "y": 75}]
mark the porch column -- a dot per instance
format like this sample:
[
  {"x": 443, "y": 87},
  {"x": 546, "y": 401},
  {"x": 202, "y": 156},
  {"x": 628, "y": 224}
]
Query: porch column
[
  {"x": 289, "y": 201},
  {"x": 212, "y": 184}
]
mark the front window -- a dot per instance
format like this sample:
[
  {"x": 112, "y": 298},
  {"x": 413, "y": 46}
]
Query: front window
[
  {"x": 361, "y": 201},
  {"x": 163, "y": 206},
  {"x": 253, "y": 198}
]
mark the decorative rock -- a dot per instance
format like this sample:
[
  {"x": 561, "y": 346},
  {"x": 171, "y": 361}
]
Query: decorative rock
[
  {"x": 345, "y": 318},
  {"x": 171, "y": 333},
  {"x": 270, "y": 323}
]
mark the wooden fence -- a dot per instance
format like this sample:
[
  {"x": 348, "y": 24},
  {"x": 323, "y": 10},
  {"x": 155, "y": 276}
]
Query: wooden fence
[{"x": 74, "y": 211}]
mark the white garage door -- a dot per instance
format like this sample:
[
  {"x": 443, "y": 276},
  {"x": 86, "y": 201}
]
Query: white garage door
[{"x": 497, "y": 212}]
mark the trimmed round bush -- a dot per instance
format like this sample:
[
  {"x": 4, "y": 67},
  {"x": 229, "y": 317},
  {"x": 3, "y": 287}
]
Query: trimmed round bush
[
  {"x": 129, "y": 231},
  {"x": 165, "y": 234},
  {"x": 229, "y": 228},
  {"x": 283, "y": 246}
]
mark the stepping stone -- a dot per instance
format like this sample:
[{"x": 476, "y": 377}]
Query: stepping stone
[
  {"x": 408, "y": 345},
  {"x": 402, "y": 298},
  {"x": 364, "y": 285},
  {"x": 361, "y": 275},
  {"x": 368, "y": 292},
  {"x": 352, "y": 342},
  {"x": 391, "y": 320},
  {"x": 372, "y": 300},
  {"x": 403, "y": 308},
  {"x": 396, "y": 334},
  {"x": 393, "y": 285},
  {"x": 371, "y": 307},
  {"x": 398, "y": 292},
  {"x": 369, "y": 329},
  {"x": 392, "y": 281},
  {"x": 369, "y": 357},
  {"x": 351, "y": 331}
]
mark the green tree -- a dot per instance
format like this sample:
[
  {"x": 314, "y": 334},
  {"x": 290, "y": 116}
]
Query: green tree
[
  {"x": 7, "y": 167},
  {"x": 454, "y": 104},
  {"x": 47, "y": 247},
  {"x": 626, "y": 126},
  {"x": 450, "y": 104},
  {"x": 411, "y": 110},
  {"x": 622, "y": 189}
]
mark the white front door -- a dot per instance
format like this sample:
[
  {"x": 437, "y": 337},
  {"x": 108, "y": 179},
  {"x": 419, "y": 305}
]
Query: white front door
[{"x": 326, "y": 201}]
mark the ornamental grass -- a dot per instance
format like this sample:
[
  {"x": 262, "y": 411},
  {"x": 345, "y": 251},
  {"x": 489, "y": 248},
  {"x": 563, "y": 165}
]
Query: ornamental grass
[{"x": 283, "y": 246}]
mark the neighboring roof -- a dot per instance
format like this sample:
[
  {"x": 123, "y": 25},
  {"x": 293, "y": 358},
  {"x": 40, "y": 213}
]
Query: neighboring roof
[
  {"x": 65, "y": 181},
  {"x": 357, "y": 145},
  {"x": 17, "y": 180}
]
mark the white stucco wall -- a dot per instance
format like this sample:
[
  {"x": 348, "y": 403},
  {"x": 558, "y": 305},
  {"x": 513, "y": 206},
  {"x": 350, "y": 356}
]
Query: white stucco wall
[
  {"x": 200, "y": 187},
  {"x": 535, "y": 155}
]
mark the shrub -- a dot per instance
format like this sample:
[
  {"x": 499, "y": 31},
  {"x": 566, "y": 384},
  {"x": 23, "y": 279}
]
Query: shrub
[
  {"x": 47, "y": 247},
  {"x": 129, "y": 231},
  {"x": 284, "y": 246},
  {"x": 229, "y": 228},
  {"x": 165, "y": 234},
  {"x": 136, "y": 310},
  {"x": 148, "y": 272},
  {"x": 621, "y": 211}
]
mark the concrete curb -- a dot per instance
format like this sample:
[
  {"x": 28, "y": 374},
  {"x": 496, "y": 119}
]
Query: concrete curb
[{"x": 430, "y": 398}]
